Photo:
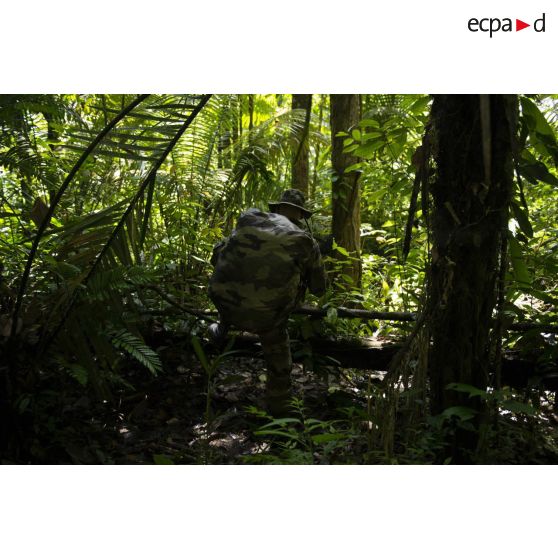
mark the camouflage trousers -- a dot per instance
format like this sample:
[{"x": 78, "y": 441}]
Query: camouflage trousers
[{"x": 277, "y": 354}]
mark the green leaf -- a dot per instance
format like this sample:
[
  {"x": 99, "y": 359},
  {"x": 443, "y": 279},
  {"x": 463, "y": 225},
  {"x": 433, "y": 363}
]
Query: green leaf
[
  {"x": 518, "y": 407},
  {"x": 351, "y": 148},
  {"x": 371, "y": 135},
  {"x": 535, "y": 118},
  {"x": 537, "y": 172},
  {"x": 161, "y": 459},
  {"x": 522, "y": 218},
  {"x": 520, "y": 270},
  {"x": 328, "y": 437},
  {"x": 352, "y": 168},
  {"x": 543, "y": 138},
  {"x": 201, "y": 354},
  {"x": 282, "y": 422},
  {"x": 377, "y": 195},
  {"x": 369, "y": 123},
  {"x": 78, "y": 373},
  {"x": 136, "y": 348},
  {"x": 463, "y": 413},
  {"x": 466, "y": 388},
  {"x": 396, "y": 147},
  {"x": 341, "y": 250},
  {"x": 420, "y": 105},
  {"x": 385, "y": 288},
  {"x": 368, "y": 149}
]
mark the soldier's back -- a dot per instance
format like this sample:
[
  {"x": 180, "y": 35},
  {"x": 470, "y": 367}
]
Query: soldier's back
[{"x": 258, "y": 270}]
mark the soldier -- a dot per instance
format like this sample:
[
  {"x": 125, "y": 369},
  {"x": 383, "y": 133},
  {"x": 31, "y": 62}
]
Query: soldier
[{"x": 261, "y": 275}]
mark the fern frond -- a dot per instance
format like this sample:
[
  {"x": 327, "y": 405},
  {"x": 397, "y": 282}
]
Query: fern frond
[{"x": 136, "y": 348}]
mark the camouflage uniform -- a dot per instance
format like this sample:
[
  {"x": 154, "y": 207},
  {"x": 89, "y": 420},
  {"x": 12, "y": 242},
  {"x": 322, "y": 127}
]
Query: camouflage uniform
[{"x": 261, "y": 274}]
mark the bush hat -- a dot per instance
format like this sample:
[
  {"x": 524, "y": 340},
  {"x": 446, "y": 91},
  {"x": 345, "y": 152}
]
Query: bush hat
[{"x": 294, "y": 198}]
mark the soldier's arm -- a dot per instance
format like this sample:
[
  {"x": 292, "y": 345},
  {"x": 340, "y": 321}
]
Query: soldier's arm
[
  {"x": 316, "y": 276},
  {"x": 217, "y": 250}
]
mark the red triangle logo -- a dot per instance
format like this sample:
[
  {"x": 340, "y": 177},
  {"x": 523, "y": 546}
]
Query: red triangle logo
[{"x": 519, "y": 25}]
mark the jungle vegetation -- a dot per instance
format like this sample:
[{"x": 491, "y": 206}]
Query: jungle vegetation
[{"x": 436, "y": 339}]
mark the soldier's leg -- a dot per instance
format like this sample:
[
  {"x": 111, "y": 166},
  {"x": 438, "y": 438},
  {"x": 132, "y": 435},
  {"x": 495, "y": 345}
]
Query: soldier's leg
[{"x": 277, "y": 354}]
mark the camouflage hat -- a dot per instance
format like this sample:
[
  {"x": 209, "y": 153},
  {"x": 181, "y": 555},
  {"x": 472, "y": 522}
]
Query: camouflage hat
[{"x": 292, "y": 197}]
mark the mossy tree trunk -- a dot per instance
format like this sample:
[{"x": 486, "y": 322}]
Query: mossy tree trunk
[
  {"x": 345, "y": 202},
  {"x": 472, "y": 138}
]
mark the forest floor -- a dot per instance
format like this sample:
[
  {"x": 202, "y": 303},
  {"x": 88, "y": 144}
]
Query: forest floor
[{"x": 164, "y": 420}]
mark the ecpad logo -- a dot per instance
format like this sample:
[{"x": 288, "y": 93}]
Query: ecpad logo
[{"x": 492, "y": 25}]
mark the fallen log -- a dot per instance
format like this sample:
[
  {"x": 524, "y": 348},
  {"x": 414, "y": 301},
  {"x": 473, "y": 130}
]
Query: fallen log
[
  {"x": 177, "y": 309},
  {"x": 367, "y": 354},
  {"x": 343, "y": 312}
]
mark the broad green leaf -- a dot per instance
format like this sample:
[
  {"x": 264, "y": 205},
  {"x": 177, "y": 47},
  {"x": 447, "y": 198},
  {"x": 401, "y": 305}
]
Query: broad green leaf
[
  {"x": 537, "y": 172},
  {"x": 372, "y": 135},
  {"x": 543, "y": 137},
  {"x": 351, "y": 148},
  {"x": 385, "y": 287},
  {"x": 518, "y": 407},
  {"x": 377, "y": 195},
  {"x": 520, "y": 270},
  {"x": 368, "y": 149},
  {"x": 369, "y": 123},
  {"x": 522, "y": 218},
  {"x": 466, "y": 388},
  {"x": 420, "y": 105},
  {"x": 396, "y": 147},
  {"x": 535, "y": 118},
  {"x": 463, "y": 413},
  {"x": 355, "y": 167}
]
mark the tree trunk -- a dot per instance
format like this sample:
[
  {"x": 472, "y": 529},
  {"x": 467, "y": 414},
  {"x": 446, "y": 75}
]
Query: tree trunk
[
  {"x": 52, "y": 137},
  {"x": 299, "y": 177},
  {"x": 250, "y": 112},
  {"x": 317, "y": 148},
  {"x": 345, "y": 114},
  {"x": 472, "y": 139},
  {"x": 234, "y": 118},
  {"x": 240, "y": 130}
]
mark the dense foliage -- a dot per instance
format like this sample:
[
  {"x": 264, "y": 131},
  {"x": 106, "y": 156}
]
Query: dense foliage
[{"x": 104, "y": 263}]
